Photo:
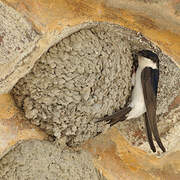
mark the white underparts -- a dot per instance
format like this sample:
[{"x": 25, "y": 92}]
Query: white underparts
[
  {"x": 145, "y": 62},
  {"x": 137, "y": 104}
]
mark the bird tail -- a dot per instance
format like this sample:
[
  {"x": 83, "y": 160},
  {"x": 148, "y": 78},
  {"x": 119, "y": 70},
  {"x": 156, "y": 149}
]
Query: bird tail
[{"x": 120, "y": 115}]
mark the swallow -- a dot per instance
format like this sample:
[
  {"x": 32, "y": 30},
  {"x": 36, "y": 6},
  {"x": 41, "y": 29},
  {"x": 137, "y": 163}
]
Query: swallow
[{"x": 144, "y": 97}]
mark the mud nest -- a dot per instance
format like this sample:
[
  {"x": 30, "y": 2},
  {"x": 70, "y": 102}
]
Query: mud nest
[{"x": 86, "y": 76}]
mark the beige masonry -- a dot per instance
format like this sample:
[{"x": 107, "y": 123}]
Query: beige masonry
[{"x": 35, "y": 26}]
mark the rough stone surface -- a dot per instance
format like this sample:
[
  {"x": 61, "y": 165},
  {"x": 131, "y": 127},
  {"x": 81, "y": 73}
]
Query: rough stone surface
[
  {"x": 17, "y": 40},
  {"x": 43, "y": 160},
  {"x": 151, "y": 1},
  {"x": 87, "y": 76},
  {"x": 177, "y": 8},
  {"x": 17, "y": 37}
]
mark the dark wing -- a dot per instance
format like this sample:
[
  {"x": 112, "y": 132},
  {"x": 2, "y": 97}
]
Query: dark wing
[
  {"x": 116, "y": 117},
  {"x": 150, "y": 78}
]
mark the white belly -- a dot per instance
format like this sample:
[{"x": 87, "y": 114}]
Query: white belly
[{"x": 137, "y": 103}]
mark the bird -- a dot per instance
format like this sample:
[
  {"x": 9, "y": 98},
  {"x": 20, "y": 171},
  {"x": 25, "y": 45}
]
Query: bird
[{"x": 145, "y": 80}]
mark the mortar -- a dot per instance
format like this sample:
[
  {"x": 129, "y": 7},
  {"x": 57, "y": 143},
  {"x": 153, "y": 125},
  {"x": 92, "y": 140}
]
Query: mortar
[
  {"x": 88, "y": 75},
  {"x": 54, "y": 21}
]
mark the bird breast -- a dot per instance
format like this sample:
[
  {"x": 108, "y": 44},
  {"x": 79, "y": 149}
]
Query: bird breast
[{"x": 137, "y": 104}]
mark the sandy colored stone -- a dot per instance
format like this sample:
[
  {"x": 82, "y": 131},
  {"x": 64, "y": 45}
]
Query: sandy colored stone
[
  {"x": 112, "y": 155},
  {"x": 43, "y": 160},
  {"x": 53, "y": 20},
  {"x": 17, "y": 40},
  {"x": 17, "y": 36},
  {"x": 119, "y": 160},
  {"x": 103, "y": 54},
  {"x": 159, "y": 22},
  {"x": 13, "y": 126},
  {"x": 176, "y": 6}
]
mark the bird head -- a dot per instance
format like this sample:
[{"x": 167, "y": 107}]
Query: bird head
[{"x": 147, "y": 58}]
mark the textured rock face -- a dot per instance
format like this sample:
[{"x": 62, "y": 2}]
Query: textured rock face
[
  {"x": 87, "y": 76},
  {"x": 152, "y": 22},
  {"x": 17, "y": 40},
  {"x": 42, "y": 160},
  {"x": 17, "y": 36}
]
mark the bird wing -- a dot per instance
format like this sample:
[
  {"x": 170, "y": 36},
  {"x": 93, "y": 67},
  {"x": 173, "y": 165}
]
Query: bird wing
[
  {"x": 149, "y": 79},
  {"x": 120, "y": 115}
]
